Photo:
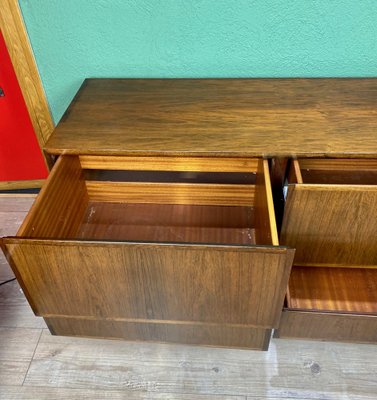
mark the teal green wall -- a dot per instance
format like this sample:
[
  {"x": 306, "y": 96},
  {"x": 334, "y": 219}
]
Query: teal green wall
[{"x": 74, "y": 39}]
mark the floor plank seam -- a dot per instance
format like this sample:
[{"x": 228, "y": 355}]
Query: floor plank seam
[
  {"x": 20, "y": 327},
  {"x": 32, "y": 357},
  {"x": 140, "y": 391}
]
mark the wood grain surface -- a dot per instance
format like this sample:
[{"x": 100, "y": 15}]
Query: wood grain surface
[
  {"x": 192, "y": 164},
  {"x": 168, "y": 223},
  {"x": 331, "y": 224},
  {"x": 220, "y": 117},
  {"x": 337, "y": 171},
  {"x": 295, "y": 175},
  {"x": 12, "y": 185},
  {"x": 328, "y": 326},
  {"x": 342, "y": 164},
  {"x": 351, "y": 290},
  {"x": 194, "y": 283},
  {"x": 171, "y": 193},
  {"x": 194, "y": 334},
  {"x": 60, "y": 205}
]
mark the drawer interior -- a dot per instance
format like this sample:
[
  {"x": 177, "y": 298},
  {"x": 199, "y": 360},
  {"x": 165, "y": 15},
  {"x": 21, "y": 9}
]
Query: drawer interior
[
  {"x": 135, "y": 199},
  {"x": 167, "y": 222},
  {"x": 345, "y": 290},
  {"x": 334, "y": 171}
]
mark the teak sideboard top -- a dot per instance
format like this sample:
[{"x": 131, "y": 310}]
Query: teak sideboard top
[{"x": 221, "y": 117}]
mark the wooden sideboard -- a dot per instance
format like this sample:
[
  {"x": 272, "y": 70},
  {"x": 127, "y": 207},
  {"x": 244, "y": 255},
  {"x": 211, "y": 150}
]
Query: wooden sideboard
[{"x": 196, "y": 210}]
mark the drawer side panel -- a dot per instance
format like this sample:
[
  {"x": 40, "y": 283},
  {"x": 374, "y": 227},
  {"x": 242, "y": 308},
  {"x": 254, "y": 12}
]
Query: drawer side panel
[{"x": 59, "y": 208}]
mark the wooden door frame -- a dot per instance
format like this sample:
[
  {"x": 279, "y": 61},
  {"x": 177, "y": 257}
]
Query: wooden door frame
[{"x": 20, "y": 51}]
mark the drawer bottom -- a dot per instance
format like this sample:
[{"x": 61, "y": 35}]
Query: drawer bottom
[
  {"x": 327, "y": 326},
  {"x": 195, "y": 334}
]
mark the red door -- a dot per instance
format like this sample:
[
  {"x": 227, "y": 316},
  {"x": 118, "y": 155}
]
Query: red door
[{"x": 20, "y": 155}]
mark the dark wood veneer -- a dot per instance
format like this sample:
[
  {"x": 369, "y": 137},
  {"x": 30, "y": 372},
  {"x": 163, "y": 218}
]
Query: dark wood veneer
[
  {"x": 106, "y": 252},
  {"x": 327, "y": 326},
  {"x": 220, "y": 117},
  {"x": 198, "y": 334}
]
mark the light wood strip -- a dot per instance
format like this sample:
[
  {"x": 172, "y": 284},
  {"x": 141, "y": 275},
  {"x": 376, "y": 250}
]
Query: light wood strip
[
  {"x": 31, "y": 184},
  {"x": 265, "y": 228},
  {"x": 336, "y": 187},
  {"x": 330, "y": 265},
  {"x": 297, "y": 172},
  {"x": 115, "y": 244},
  {"x": 192, "y": 164},
  {"x": 198, "y": 324},
  {"x": 171, "y": 193},
  {"x": 270, "y": 204},
  {"x": 20, "y": 51},
  {"x": 334, "y": 164}
]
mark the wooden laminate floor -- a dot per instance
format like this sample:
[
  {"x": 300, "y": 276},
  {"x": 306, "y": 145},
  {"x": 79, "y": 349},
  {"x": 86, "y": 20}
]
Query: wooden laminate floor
[{"x": 37, "y": 365}]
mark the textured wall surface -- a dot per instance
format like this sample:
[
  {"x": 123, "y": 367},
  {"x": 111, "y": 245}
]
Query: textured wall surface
[{"x": 74, "y": 39}]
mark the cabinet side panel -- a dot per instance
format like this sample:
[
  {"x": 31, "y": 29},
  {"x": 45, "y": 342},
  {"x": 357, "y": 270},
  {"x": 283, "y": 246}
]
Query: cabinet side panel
[
  {"x": 328, "y": 326},
  {"x": 212, "y": 284},
  {"x": 331, "y": 224},
  {"x": 206, "y": 335}
]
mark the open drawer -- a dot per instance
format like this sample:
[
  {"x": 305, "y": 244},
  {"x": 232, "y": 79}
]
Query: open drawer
[
  {"x": 330, "y": 303},
  {"x": 167, "y": 249},
  {"x": 330, "y": 216},
  {"x": 331, "y": 220}
]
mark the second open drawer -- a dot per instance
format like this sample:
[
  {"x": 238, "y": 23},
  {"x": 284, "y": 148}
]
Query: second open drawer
[
  {"x": 155, "y": 248},
  {"x": 331, "y": 220}
]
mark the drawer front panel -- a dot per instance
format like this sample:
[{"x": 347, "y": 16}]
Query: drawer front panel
[
  {"x": 328, "y": 326},
  {"x": 198, "y": 334},
  {"x": 146, "y": 281},
  {"x": 331, "y": 224}
]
